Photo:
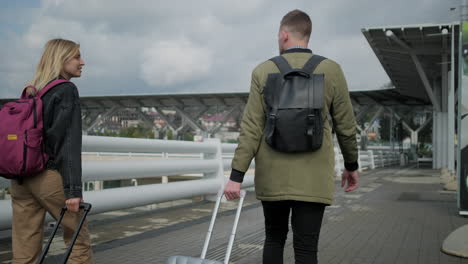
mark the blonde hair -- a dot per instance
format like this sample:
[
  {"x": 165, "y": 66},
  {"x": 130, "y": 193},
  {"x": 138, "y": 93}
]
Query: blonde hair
[{"x": 50, "y": 66}]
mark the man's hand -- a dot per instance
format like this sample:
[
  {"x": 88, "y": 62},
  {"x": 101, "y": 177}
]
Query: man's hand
[
  {"x": 73, "y": 204},
  {"x": 232, "y": 190},
  {"x": 352, "y": 178}
]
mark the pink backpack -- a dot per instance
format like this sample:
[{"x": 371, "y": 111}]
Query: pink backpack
[{"x": 21, "y": 135}]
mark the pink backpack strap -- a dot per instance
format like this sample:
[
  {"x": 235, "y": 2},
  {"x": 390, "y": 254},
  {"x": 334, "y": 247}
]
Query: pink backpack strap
[
  {"x": 49, "y": 86},
  {"x": 24, "y": 95}
]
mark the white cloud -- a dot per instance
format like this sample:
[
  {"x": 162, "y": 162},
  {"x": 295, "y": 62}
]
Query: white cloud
[
  {"x": 136, "y": 46},
  {"x": 361, "y": 67},
  {"x": 175, "y": 62}
]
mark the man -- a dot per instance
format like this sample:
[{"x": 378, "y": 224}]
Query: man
[{"x": 300, "y": 183}]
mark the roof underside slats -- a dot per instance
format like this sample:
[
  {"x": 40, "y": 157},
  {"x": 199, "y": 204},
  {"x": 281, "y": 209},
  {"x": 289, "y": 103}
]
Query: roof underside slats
[{"x": 431, "y": 46}]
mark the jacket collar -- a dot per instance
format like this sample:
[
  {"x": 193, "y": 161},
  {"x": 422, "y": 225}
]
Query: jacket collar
[{"x": 296, "y": 50}]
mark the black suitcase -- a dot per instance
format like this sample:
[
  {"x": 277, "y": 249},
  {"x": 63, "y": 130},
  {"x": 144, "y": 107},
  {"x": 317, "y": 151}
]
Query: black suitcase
[{"x": 86, "y": 207}]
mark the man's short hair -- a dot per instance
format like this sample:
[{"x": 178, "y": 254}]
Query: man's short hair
[{"x": 298, "y": 23}]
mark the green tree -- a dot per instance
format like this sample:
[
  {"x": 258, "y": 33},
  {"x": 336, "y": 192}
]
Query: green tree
[
  {"x": 188, "y": 136},
  {"x": 140, "y": 131},
  {"x": 169, "y": 134}
]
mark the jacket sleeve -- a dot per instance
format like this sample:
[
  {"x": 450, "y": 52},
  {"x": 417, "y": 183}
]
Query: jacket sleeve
[
  {"x": 66, "y": 128},
  {"x": 252, "y": 125},
  {"x": 344, "y": 121}
]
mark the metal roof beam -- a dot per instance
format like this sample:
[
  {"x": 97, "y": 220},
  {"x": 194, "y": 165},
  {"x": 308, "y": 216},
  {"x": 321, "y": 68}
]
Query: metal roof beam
[
  {"x": 405, "y": 125},
  {"x": 420, "y": 51},
  {"x": 223, "y": 120},
  {"x": 376, "y": 115},
  {"x": 145, "y": 118},
  {"x": 195, "y": 117},
  {"x": 425, "y": 124},
  {"x": 100, "y": 118},
  {"x": 166, "y": 118},
  {"x": 419, "y": 68},
  {"x": 189, "y": 119}
]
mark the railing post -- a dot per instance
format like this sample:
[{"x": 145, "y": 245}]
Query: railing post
[
  {"x": 371, "y": 159},
  {"x": 360, "y": 161},
  {"x": 382, "y": 163},
  {"x": 338, "y": 163},
  {"x": 219, "y": 173},
  {"x": 402, "y": 159}
]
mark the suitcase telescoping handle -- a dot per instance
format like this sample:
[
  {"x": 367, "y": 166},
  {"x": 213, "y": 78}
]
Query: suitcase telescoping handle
[
  {"x": 234, "y": 228},
  {"x": 86, "y": 208}
]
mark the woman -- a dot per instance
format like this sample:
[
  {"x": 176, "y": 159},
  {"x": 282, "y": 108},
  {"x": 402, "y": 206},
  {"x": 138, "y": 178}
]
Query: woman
[{"x": 60, "y": 184}]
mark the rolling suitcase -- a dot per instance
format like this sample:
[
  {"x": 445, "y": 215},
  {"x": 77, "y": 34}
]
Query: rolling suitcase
[
  {"x": 86, "y": 207},
  {"x": 202, "y": 260}
]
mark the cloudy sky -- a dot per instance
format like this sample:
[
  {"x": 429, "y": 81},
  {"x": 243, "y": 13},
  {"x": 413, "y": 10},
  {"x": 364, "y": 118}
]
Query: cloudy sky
[{"x": 153, "y": 46}]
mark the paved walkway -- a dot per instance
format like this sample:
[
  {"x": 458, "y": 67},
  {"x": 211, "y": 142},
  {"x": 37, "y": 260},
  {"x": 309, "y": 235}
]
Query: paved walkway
[{"x": 396, "y": 216}]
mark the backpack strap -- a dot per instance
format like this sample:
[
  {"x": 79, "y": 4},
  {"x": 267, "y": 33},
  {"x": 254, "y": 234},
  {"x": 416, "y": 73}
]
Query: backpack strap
[
  {"x": 312, "y": 63},
  {"x": 49, "y": 86},
  {"x": 24, "y": 94},
  {"x": 282, "y": 64},
  {"x": 272, "y": 115},
  {"x": 315, "y": 102},
  {"x": 315, "y": 93},
  {"x": 318, "y": 91}
]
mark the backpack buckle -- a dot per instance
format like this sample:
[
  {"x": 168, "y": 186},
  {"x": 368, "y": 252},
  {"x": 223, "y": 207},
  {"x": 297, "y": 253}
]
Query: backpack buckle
[{"x": 272, "y": 116}]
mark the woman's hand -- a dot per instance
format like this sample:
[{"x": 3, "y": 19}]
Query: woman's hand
[{"x": 73, "y": 204}]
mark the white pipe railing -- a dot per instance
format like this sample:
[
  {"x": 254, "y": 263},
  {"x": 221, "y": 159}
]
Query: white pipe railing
[
  {"x": 137, "y": 145},
  {"x": 369, "y": 160},
  {"x": 136, "y": 169},
  {"x": 203, "y": 158},
  {"x": 129, "y": 197},
  {"x": 209, "y": 159}
]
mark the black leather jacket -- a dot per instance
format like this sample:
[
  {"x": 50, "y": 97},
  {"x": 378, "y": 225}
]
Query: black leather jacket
[{"x": 62, "y": 128}]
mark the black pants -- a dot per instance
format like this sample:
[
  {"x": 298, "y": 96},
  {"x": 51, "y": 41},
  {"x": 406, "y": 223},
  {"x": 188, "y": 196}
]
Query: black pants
[{"x": 306, "y": 221}]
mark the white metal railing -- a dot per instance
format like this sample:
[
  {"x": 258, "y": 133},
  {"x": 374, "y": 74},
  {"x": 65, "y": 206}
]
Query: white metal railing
[
  {"x": 208, "y": 160},
  {"x": 201, "y": 158},
  {"x": 369, "y": 160}
]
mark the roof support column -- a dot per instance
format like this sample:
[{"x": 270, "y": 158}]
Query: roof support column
[
  {"x": 451, "y": 107},
  {"x": 148, "y": 121},
  {"x": 366, "y": 129},
  {"x": 392, "y": 141},
  {"x": 438, "y": 140},
  {"x": 444, "y": 85},
  {"x": 362, "y": 110},
  {"x": 413, "y": 133},
  {"x": 435, "y": 141},
  {"x": 376, "y": 115}
]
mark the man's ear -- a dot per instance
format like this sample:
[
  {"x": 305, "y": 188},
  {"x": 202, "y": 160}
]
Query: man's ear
[{"x": 284, "y": 35}]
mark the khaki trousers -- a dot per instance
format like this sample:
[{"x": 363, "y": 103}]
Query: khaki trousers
[{"x": 30, "y": 201}]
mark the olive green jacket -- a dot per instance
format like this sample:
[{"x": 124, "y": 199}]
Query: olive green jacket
[{"x": 298, "y": 176}]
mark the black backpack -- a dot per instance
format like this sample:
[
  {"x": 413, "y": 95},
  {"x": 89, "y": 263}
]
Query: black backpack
[{"x": 294, "y": 99}]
